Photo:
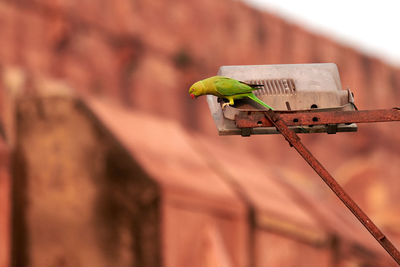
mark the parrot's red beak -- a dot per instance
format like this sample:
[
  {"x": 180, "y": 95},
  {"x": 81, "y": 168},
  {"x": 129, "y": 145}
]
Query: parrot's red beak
[{"x": 192, "y": 96}]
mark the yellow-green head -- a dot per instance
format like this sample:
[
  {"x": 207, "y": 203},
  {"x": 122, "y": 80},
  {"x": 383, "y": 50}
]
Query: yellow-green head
[{"x": 197, "y": 89}]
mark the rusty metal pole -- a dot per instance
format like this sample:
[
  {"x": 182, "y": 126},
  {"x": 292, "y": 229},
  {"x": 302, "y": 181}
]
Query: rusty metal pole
[
  {"x": 301, "y": 118},
  {"x": 294, "y": 141}
]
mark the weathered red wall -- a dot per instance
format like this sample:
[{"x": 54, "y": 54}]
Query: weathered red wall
[
  {"x": 145, "y": 54},
  {"x": 5, "y": 185}
]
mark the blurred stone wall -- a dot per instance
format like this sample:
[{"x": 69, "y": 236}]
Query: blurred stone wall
[{"x": 145, "y": 54}]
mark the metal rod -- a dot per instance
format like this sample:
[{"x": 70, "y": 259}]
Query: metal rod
[
  {"x": 294, "y": 141},
  {"x": 251, "y": 119}
]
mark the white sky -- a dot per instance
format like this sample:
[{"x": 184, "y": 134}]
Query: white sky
[{"x": 371, "y": 26}]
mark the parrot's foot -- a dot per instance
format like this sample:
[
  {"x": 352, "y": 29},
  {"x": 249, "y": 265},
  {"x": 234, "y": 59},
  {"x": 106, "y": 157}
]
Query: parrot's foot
[{"x": 224, "y": 105}]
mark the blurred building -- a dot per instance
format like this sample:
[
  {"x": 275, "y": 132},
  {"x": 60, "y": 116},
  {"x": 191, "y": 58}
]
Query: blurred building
[{"x": 106, "y": 161}]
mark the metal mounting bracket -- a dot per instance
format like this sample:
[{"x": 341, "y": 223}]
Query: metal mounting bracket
[{"x": 282, "y": 120}]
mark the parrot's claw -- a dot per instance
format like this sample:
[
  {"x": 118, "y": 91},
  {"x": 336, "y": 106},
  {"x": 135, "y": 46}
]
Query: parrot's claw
[{"x": 224, "y": 105}]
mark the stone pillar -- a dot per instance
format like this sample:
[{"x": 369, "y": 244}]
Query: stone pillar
[{"x": 79, "y": 198}]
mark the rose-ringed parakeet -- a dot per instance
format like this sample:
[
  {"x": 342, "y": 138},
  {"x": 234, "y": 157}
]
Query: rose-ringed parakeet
[{"x": 227, "y": 88}]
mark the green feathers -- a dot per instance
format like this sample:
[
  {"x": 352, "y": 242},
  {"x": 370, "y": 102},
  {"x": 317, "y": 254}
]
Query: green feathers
[
  {"x": 227, "y": 88},
  {"x": 256, "y": 99}
]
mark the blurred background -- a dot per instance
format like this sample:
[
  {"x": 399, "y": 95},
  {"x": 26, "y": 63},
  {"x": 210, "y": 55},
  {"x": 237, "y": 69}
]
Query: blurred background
[{"x": 106, "y": 161}]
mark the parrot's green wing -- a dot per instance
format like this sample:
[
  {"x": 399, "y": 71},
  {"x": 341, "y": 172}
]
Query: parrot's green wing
[{"x": 228, "y": 87}]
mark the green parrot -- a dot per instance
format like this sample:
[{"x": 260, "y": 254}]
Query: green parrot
[{"x": 224, "y": 87}]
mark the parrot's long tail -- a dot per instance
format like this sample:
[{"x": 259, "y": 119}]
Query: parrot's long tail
[{"x": 256, "y": 99}]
